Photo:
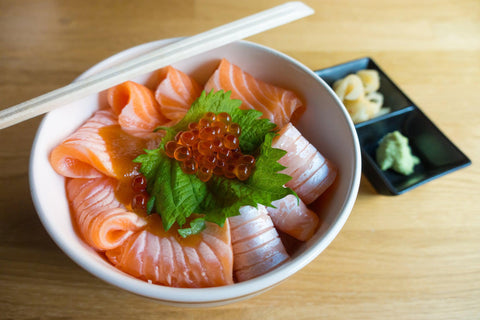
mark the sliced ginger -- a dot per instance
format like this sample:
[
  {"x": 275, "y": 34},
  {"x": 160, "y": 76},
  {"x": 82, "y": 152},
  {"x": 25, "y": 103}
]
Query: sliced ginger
[{"x": 359, "y": 93}]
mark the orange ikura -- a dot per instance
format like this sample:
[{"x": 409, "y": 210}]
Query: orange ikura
[{"x": 211, "y": 147}]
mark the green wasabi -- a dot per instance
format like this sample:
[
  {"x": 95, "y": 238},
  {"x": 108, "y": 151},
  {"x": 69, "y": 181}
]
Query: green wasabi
[{"x": 394, "y": 152}]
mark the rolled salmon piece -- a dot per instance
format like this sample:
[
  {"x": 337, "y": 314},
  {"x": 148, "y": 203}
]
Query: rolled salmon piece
[
  {"x": 103, "y": 222},
  {"x": 84, "y": 153},
  {"x": 175, "y": 93},
  {"x": 276, "y": 104},
  {"x": 257, "y": 247},
  {"x": 137, "y": 109},
  {"x": 292, "y": 216},
  {"x": 311, "y": 172}
]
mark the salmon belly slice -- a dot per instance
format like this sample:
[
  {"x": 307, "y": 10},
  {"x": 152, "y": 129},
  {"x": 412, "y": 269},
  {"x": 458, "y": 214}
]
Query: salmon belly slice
[
  {"x": 84, "y": 153},
  {"x": 257, "y": 247},
  {"x": 103, "y": 222},
  {"x": 311, "y": 172},
  {"x": 277, "y": 104},
  {"x": 137, "y": 109},
  {"x": 163, "y": 257},
  {"x": 292, "y": 216},
  {"x": 175, "y": 93}
]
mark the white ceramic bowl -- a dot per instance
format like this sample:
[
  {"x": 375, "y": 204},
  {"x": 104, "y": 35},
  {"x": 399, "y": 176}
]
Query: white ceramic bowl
[{"x": 325, "y": 123}]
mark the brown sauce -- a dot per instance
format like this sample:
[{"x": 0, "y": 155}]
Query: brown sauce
[
  {"x": 123, "y": 149},
  {"x": 155, "y": 227}
]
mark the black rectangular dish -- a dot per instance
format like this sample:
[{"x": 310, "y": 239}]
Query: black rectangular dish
[{"x": 438, "y": 155}]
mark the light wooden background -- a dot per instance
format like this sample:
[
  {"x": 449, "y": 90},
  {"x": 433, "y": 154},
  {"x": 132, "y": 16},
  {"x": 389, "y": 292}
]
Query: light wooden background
[{"x": 415, "y": 256}]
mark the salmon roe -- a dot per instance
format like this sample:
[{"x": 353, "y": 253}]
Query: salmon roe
[
  {"x": 211, "y": 147},
  {"x": 140, "y": 196}
]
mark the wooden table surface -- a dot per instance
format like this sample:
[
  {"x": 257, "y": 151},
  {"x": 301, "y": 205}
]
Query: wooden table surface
[{"x": 414, "y": 256}]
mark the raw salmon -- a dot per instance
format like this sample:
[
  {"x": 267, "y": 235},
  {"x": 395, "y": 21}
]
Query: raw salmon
[
  {"x": 276, "y": 104},
  {"x": 163, "y": 257},
  {"x": 137, "y": 109},
  {"x": 293, "y": 218},
  {"x": 175, "y": 93},
  {"x": 84, "y": 153},
  {"x": 257, "y": 247},
  {"x": 103, "y": 222},
  {"x": 311, "y": 172}
]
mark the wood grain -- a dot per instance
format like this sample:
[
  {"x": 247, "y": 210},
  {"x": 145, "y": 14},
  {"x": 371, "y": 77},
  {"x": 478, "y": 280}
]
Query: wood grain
[{"x": 414, "y": 256}]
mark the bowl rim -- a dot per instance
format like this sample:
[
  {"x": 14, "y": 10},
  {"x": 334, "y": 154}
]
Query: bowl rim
[{"x": 214, "y": 295}]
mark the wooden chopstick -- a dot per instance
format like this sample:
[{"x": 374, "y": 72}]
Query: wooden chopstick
[{"x": 156, "y": 59}]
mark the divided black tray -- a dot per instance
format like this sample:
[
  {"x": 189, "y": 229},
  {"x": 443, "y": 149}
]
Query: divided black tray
[{"x": 438, "y": 155}]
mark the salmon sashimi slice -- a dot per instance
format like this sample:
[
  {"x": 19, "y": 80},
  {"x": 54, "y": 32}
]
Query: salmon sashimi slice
[
  {"x": 277, "y": 104},
  {"x": 311, "y": 172},
  {"x": 137, "y": 109},
  {"x": 292, "y": 216},
  {"x": 102, "y": 221},
  {"x": 257, "y": 247},
  {"x": 163, "y": 257},
  {"x": 175, "y": 93},
  {"x": 84, "y": 153}
]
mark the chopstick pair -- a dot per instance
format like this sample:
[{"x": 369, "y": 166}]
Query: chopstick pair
[{"x": 156, "y": 59}]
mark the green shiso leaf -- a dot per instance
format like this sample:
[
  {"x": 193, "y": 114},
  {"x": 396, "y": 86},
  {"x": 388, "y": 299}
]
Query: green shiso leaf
[
  {"x": 196, "y": 226},
  {"x": 176, "y": 195}
]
